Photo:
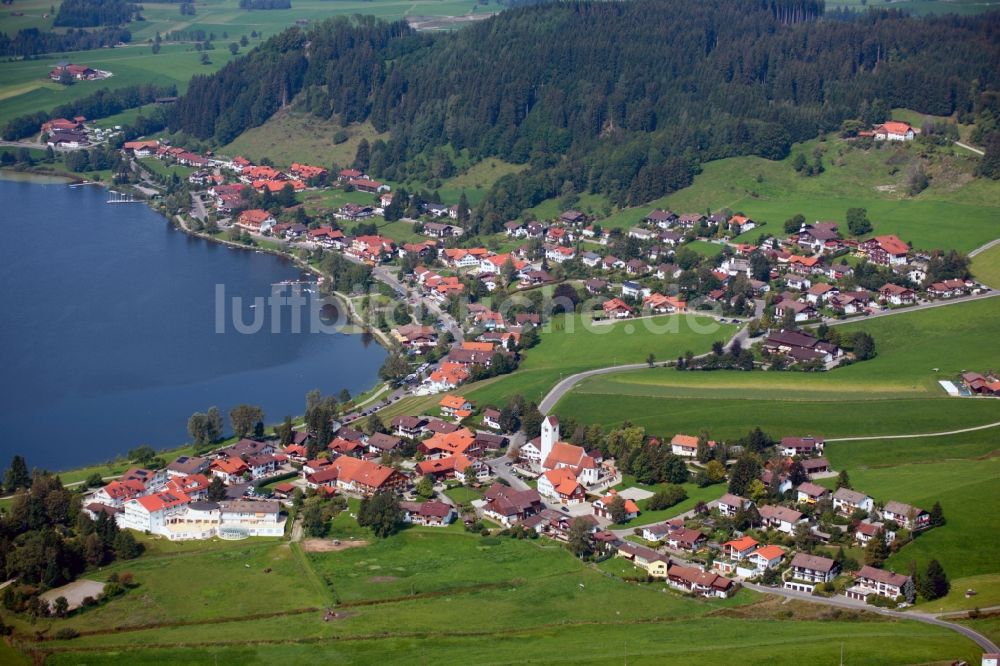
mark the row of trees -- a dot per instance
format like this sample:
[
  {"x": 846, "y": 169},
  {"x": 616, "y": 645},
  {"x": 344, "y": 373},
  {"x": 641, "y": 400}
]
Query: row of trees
[
  {"x": 32, "y": 41},
  {"x": 93, "y": 13}
]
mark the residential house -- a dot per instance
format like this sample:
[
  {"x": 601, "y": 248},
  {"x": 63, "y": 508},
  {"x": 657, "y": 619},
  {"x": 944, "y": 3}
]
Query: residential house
[
  {"x": 847, "y": 501},
  {"x": 887, "y": 250},
  {"x": 815, "y": 466},
  {"x": 906, "y": 516},
  {"x": 871, "y": 581},
  {"x": 186, "y": 465},
  {"x": 508, "y": 506},
  {"x": 431, "y": 513},
  {"x": 765, "y": 557},
  {"x": 617, "y": 309},
  {"x": 652, "y": 562},
  {"x": 380, "y": 443},
  {"x": 408, "y": 426},
  {"x": 686, "y": 445},
  {"x": 602, "y": 507},
  {"x": 255, "y": 221},
  {"x": 700, "y": 583},
  {"x": 813, "y": 568},
  {"x": 866, "y": 531},
  {"x": 663, "y": 219},
  {"x": 739, "y": 549},
  {"x": 780, "y": 518},
  {"x": 455, "y": 406},
  {"x": 810, "y": 493},
  {"x": 729, "y": 504},
  {"x": 491, "y": 418},
  {"x": 894, "y": 294}
]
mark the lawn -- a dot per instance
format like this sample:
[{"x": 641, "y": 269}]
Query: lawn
[
  {"x": 895, "y": 393},
  {"x": 463, "y": 494},
  {"x": 956, "y": 211},
  {"x": 572, "y": 344},
  {"x": 986, "y": 266},
  {"x": 694, "y": 495},
  {"x": 477, "y": 179}
]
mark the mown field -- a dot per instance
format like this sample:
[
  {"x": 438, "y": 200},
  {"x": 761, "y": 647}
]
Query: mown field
[
  {"x": 986, "y": 266},
  {"x": 571, "y": 347},
  {"x": 956, "y": 211},
  {"x": 894, "y": 393},
  {"x": 25, "y": 86}
]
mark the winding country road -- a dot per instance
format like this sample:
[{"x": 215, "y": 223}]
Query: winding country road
[{"x": 843, "y": 602}]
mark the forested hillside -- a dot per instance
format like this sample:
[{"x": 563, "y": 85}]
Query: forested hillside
[{"x": 635, "y": 94}]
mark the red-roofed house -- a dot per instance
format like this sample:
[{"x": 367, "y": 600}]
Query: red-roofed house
[
  {"x": 885, "y": 250},
  {"x": 561, "y": 485},
  {"x": 255, "y": 220},
  {"x": 602, "y": 507},
  {"x": 894, "y": 130},
  {"x": 617, "y": 309}
]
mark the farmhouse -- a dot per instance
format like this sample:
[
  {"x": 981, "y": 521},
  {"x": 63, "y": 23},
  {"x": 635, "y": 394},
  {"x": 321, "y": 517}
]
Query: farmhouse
[
  {"x": 893, "y": 130},
  {"x": 802, "y": 446}
]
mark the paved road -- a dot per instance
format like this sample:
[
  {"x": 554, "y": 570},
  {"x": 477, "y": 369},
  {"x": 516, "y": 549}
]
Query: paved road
[
  {"x": 564, "y": 386},
  {"x": 924, "y": 434},
  {"x": 984, "y": 247},
  {"x": 923, "y": 306},
  {"x": 843, "y": 602}
]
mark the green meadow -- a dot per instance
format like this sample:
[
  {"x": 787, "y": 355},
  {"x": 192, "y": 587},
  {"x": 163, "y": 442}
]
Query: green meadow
[
  {"x": 452, "y": 598},
  {"x": 986, "y": 266},
  {"x": 894, "y": 393},
  {"x": 25, "y": 86},
  {"x": 956, "y": 211},
  {"x": 571, "y": 344}
]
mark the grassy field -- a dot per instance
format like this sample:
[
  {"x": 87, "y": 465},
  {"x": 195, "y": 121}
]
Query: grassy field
[
  {"x": 986, "y": 266},
  {"x": 477, "y": 179},
  {"x": 25, "y": 86},
  {"x": 956, "y": 211},
  {"x": 570, "y": 346},
  {"x": 895, "y": 393},
  {"x": 922, "y": 7},
  {"x": 459, "y": 598}
]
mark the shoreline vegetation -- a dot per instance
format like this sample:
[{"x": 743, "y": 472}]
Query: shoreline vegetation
[{"x": 114, "y": 467}]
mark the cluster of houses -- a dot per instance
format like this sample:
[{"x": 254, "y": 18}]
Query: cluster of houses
[
  {"x": 66, "y": 133},
  {"x": 173, "y": 502},
  {"x": 979, "y": 384}
]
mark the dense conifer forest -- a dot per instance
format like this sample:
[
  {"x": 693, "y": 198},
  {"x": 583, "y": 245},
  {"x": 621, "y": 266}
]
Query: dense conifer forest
[{"x": 626, "y": 99}]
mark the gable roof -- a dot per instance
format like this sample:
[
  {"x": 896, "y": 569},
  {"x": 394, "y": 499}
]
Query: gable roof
[{"x": 814, "y": 562}]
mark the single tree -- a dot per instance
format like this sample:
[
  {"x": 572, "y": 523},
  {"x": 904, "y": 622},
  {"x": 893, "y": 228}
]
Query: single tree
[
  {"x": 934, "y": 583},
  {"x": 746, "y": 469},
  {"x": 425, "y": 487},
  {"x": 216, "y": 489},
  {"x": 17, "y": 475},
  {"x": 617, "y": 510},
  {"x": 246, "y": 420},
  {"x": 843, "y": 481},
  {"x": 126, "y": 547},
  {"x": 877, "y": 550},
  {"x": 381, "y": 512},
  {"x": 937, "y": 518},
  {"x": 578, "y": 540}
]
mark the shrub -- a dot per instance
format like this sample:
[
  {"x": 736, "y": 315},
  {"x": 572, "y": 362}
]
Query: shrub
[{"x": 66, "y": 633}]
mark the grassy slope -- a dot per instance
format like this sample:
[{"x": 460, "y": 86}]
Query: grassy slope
[
  {"x": 299, "y": 137},
  {"x": 955, "y": 211},
  {"x": 986, "y": 266},
  {"x": 895, "y": 393}
]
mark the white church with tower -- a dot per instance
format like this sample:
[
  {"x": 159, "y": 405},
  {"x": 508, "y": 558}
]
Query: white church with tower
[{"x": 567, "y": 470}]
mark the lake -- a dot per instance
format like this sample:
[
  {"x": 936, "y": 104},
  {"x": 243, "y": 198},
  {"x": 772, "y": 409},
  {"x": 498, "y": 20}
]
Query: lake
[{"x": 110, "y": 340}]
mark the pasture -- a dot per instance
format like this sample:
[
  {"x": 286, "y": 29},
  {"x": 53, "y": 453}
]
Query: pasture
[
  {"x": 894, "y": 393},
  {"x": 956, "y": 211}
]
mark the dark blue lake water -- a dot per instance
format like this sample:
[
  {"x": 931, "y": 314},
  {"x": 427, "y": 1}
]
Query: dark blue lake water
[{"x": 108, "y": 338}]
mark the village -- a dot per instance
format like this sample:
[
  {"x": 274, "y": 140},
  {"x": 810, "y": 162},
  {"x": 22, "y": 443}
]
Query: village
[
  {"x": 783, "y": 528},
  {"x": 544, "y": 487}
]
